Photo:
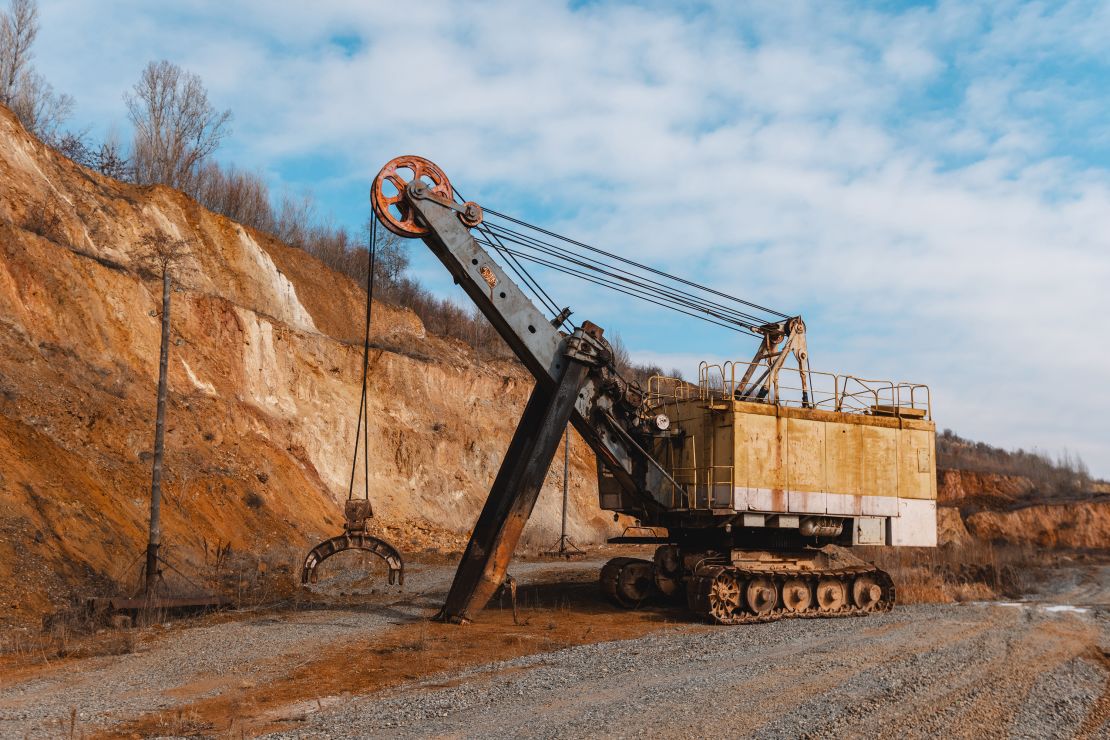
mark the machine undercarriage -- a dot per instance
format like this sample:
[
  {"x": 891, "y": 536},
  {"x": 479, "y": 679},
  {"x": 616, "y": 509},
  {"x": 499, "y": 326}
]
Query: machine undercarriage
[{"x": 747, "y": 586}]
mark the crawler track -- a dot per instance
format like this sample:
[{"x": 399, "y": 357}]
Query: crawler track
[
  {"x": 720, "y": 593},
  {"x": 627, "y": 581},
  {"x": 747, "y": 594}
]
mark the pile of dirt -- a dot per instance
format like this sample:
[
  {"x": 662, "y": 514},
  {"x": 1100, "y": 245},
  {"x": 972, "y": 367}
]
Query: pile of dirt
[{"x": 264, "y": 383}]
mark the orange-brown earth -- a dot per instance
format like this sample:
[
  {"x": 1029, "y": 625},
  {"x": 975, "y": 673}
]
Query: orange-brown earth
[
  {"x": 1006, "y": 508},
  {"x": 264, "y": 382}
]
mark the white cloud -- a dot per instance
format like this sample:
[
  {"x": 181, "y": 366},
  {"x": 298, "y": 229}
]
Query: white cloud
[{"x": 901, "y": 177}]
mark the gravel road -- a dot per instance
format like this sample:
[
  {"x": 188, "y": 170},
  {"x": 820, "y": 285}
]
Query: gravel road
[
  {"x": 969, "y": 670},
  {"x": 179, "y": 663},
  {"x": 1032, "y": 669}
]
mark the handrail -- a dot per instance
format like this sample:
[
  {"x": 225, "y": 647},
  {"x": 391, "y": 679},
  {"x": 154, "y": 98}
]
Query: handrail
[{"x": 843, "y": 393}]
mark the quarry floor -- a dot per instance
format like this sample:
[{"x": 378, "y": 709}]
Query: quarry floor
[{"x": 350, "y": 663}]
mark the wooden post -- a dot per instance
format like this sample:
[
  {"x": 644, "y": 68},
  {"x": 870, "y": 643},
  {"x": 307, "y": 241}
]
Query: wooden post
[{"x": 155, "y": 540}]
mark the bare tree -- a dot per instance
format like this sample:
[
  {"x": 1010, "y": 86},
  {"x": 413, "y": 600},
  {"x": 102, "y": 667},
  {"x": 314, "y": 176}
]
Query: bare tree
[
  {"x": 241, "y": 196},
  {"x": 18, "y": 29},
  {"x": 110, "y": 159},
  {"x": 22, "y": 89},
  {"x": 39, "y": 108},
  {"x": 176, "y": 127},
  {"x": 161, "y": 254}
]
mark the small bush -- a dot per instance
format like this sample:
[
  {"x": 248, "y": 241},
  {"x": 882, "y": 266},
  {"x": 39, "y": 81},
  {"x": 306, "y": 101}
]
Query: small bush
[{"x": 43, "y": 219}]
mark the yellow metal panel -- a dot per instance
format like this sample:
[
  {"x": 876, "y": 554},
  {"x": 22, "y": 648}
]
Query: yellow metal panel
[
  {"x": 916, "y": 467},
  {"x": 760, "y": 443},
  {"x": 770, "y": 451},
  {"x": 806, "y": 455},
  {"x": 844, "y": 458},
  {"x": 879, "y": 469}
]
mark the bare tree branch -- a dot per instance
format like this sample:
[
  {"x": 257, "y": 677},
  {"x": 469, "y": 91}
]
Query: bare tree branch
[
  {"x": 162, "y": 254},
  {"x": 18, "y": 29},
  {"x": 22, "y": 89},
  {"x": 176, "y": 127}
]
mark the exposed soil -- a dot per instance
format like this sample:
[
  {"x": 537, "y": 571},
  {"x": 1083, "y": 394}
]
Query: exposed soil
[
  {"x": 265, "y": 373},
  {"x": 357, "y": 659}
]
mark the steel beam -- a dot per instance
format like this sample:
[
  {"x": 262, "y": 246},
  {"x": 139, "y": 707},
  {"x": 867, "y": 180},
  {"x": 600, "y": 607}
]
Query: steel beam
[{"x": 513, "y": 495}]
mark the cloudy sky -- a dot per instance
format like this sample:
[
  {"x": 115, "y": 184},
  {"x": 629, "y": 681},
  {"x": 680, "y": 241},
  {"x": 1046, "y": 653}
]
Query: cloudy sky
[{"x": 928, "y": 184}]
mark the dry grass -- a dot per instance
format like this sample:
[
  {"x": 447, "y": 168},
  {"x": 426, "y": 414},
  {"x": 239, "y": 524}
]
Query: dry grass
[{"x": 953, "y": 573}]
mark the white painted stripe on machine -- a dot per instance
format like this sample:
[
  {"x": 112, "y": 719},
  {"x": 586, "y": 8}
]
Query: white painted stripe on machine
[
  {"x": 812, "y": 502},
  {"x": 807, "y": 502}
]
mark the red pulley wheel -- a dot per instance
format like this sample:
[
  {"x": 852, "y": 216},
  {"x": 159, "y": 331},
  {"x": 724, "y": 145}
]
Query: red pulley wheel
[{"x": 393, "y": 210}]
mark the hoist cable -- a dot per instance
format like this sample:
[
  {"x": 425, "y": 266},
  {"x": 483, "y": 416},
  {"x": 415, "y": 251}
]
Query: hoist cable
[
  {"x": 635, "y": 264},
  {"x": 631, "y": 292},
  {"x": 526, "y": 277},
  {"x": 721, "y": 311},
  {"x": 363, "y": 410},
  {"x": 639, "y": 291},
  {"x": 521, "y": 272},
  {"x": 670, "y": 291}
]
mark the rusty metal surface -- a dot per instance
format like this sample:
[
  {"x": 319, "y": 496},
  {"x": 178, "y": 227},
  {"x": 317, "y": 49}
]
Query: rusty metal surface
[
  {"x": 513, "y": 496},
  {"x": 354, "y": 540},
  {"x": 355, "y": 514},
  {"x": 399, "y": 172},
  {"x": 183, "y": 603}
]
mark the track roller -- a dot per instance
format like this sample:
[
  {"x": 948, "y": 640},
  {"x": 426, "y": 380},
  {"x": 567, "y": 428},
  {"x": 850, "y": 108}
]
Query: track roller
[
  {"x": 668, "y": 571},
  {"x": 628, "y": 582},
  {"x": 797, "y": 596},
  {"x": 866, "y": 592},
  {"x": 761, "y": 595},
  {"x": 730, "y": 594},
  {"x": 832, "y": 595}
]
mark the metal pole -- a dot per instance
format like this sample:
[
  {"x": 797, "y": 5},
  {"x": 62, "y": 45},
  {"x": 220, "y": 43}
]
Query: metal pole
[
  {"x": 155, "y": 540},
  {"x": 566, "y": 476}
]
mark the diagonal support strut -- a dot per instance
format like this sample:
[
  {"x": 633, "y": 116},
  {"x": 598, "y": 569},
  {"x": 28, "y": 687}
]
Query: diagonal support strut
[{"x": 513, "y": 495}]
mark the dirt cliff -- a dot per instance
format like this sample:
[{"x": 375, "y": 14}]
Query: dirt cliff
[
  {"x": 264, "y": 384},
  {"x": 1081, "y": 525},
  {"x": 968, "y": 487},
  {"x": 1008, "y": 508}
]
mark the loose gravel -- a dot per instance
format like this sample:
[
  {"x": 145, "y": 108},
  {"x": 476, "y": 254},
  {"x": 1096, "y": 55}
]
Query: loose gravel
[
  {"x": 183, "y": 662},
  {"x": 972, "y": 670},
  {"x": 923, "y": 671}
]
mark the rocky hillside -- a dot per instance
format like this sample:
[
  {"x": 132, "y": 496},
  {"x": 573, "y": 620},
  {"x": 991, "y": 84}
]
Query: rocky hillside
[
  {"x": 264, "y": 383},
  {"x": 1008, "y": 508}
]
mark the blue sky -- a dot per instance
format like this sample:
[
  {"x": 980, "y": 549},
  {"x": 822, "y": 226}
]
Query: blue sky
[{"x": 927, "y": 183}]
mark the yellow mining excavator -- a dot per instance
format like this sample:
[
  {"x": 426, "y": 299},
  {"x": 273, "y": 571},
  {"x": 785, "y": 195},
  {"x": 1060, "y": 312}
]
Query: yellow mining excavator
[{"x": 754, "y": 481}]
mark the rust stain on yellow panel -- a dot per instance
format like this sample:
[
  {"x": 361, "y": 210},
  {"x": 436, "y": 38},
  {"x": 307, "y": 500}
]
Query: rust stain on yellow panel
[
  {"x": 916, "y": 447},
  {"x": 844, "y": 457},
  {"x": 759, "y": 442},
  {"x": 775, "y": 453},
  {"x": 879, "y": 464},
  {"x": 806, "y": 455}
]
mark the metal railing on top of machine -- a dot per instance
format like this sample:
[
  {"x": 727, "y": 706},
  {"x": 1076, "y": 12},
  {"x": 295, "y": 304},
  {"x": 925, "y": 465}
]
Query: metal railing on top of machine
[{"x": 828, "y": 391}]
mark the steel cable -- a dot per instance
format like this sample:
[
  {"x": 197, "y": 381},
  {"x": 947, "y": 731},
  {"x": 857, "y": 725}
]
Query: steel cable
[
  {"x": 685, "y": 298},
  {"x": 679, "y": 294},
  {"x": 704, "y": 316},
  {"x": 633, "y": 263}
]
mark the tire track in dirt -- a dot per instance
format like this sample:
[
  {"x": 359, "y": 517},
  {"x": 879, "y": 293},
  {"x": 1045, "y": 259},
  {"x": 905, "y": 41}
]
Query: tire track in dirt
[
  {"x": 957, "y": 671},
  {"x": 976, "y": 698}
]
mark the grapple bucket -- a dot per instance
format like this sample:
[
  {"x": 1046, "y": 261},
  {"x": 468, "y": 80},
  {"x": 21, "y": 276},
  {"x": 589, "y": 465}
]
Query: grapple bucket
[{"x": 355, "y": 537}]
